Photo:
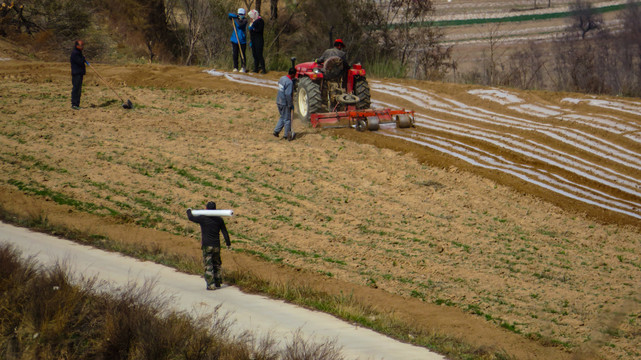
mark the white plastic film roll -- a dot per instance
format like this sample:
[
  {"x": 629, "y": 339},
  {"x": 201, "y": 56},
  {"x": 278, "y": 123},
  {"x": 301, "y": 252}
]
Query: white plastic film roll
[{"x": 213, "y": 212}]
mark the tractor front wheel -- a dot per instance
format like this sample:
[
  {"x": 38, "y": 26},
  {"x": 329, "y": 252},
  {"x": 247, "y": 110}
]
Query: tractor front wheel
[{"x": 307, "y": 100}]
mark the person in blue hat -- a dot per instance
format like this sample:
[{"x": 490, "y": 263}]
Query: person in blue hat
[{"x": 239, "y": 38}]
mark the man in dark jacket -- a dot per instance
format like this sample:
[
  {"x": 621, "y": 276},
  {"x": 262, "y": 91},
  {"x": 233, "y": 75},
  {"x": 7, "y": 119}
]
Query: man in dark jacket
[
  {"x": 78, "y": 71},
  {"x": 257, "y": 43},
  {"x": 210, "y": 227}
]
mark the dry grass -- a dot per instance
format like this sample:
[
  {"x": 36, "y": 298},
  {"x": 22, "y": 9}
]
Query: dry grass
[
  {"x": 347, "y": 307},
  {"x": 47, "y": 313}
]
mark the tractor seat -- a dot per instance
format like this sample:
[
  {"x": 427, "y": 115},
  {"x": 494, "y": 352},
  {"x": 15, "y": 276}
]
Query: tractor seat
[{"x": 333, "y": 68}]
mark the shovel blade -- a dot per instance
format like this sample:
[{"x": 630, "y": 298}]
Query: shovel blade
[{"x": 128, "y": 105}]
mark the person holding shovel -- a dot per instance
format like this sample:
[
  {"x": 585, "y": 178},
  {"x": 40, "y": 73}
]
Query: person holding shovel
[
  {"x": 211, "y": 227},
  {"x": 239, "y": 38},
  {"x": 285, "y": 105},
  {"x": 78, "y": 71}
]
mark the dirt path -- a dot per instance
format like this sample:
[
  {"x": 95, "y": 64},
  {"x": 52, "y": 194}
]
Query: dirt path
[{"x": 401, "y": 224}]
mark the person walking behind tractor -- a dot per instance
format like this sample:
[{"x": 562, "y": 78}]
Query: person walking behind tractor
[
  {"x": 256, "y": 41},
  {"x": 239, "y": 38},
  {"x": 78, "y": 71},
  {"x": 285, "y": 105},
  {"x": 211, "y": 227}
]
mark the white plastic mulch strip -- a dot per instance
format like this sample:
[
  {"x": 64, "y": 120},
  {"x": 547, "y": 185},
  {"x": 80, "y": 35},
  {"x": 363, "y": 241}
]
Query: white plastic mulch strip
[
  {"x": 629, "y": 107},
  {"x": 454, "y": 117},
  {"x": 244, "y": 79}
]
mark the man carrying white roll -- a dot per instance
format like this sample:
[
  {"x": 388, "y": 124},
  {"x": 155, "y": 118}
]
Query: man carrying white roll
[{"x": 211, "y": 227}]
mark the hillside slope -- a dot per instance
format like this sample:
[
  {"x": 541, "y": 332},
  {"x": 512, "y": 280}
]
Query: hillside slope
[{"x": 405, "y": 228}]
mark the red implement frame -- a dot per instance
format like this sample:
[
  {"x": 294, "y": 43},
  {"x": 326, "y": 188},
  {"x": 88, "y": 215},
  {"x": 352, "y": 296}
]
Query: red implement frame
[{"x": 351, "y": 118}]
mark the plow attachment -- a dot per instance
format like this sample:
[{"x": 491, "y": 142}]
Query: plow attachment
[{"x": 364, "y": 119}]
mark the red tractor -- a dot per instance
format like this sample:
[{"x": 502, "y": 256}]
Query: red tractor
[{"x": 333, "y": 94}]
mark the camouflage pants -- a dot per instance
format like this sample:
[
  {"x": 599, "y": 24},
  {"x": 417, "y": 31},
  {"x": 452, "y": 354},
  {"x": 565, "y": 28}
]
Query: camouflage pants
[{"x": 211, "y": 259}]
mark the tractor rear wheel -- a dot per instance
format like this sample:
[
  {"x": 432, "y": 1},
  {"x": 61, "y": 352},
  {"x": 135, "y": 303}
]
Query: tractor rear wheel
[
  {"x": 307, "y": 99},
  {"x": 361, "y": 89}
]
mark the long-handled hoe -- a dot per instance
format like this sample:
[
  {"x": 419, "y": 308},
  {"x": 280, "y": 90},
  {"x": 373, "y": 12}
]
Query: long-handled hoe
[
  {"x": 125, "y": 104},
  {"x": 240, "y": 49}
]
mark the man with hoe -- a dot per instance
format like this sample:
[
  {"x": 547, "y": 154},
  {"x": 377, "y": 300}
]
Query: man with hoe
[
  {"x": 239, "y": 38},
  {"x": 211, "y": 227},
  {"x": 78, "y": 71}
]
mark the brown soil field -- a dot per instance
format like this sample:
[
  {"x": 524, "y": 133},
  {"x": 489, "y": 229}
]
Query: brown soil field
[{"x": 466, "y": 250}]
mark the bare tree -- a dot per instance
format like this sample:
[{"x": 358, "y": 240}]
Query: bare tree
[
  {"x": 584, "y": 18},
  {"x": 248, "y": 4},
  {"x": 409, "y": 32},
  {"x": 273, "y": 9},
  {"x": 405, "y": 16},
  {"x": 632, "y": 44},
  {"x": 526, "y": 68},
  {"x": 492, "y": 60},
  {"x": 215, "y": 38},
  {"x": 197, "y": 13}
]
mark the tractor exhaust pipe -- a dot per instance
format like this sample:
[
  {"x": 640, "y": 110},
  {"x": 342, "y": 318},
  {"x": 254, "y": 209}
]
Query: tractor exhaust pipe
[{"x": 293, "y": 59}]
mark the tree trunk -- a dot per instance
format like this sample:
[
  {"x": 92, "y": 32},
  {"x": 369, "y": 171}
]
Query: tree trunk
[
  {"x": 258, "y": 4},
  {"x": 273, "y": 8}
]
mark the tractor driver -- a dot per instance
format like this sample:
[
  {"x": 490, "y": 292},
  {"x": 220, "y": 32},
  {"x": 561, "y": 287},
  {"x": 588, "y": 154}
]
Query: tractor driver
[
  {"x": 334, "y": 60},
  {"x": 337, "y": 50}
]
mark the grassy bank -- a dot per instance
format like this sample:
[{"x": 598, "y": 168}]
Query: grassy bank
[{"x": 47, "y": 313}]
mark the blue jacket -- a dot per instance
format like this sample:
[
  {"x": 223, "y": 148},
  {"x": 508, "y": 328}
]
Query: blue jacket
[
  {"x": 241, "y": 26},
  {"x": 285, "y": 89}
]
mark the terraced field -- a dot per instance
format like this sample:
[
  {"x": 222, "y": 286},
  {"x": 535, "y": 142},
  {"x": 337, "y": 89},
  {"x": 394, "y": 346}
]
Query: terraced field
[
  {"x": 508, "y": 219},
  {"x": 576, "y": 150},
  {"x": 473, "y": 26}
]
